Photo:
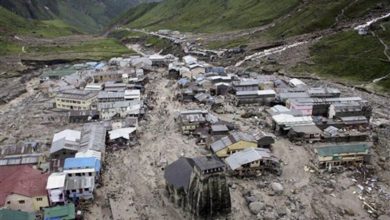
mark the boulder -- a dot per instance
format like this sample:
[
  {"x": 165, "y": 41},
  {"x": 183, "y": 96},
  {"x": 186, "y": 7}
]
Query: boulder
[
  {"x": 277, "y": 188},
  {"x": 384, "y": 217},
  {"x": 256, "y": 207}
]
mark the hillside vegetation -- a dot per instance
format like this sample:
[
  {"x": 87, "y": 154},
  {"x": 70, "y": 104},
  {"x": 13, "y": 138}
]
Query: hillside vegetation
[
  {"x": 46, "y": 40},
  {"x": 86, "y": 15},
  {"x": 354, "y": 57},
  {"x": 208, "y": 16}
]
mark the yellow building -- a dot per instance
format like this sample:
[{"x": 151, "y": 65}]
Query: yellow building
[
  {"x": 76, "y": 100},
  {"x": 23, "y": 188},
  {"x": 233, "y": 143},
  {"x": 26, "y": 203}
]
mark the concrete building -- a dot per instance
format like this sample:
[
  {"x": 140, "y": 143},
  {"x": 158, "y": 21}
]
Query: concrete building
[
  {"x": 342, "y": 154},
  {"x": 261, "y": 97},
  {"x": 305, "y": 133},
  {"x": 76, "y": 100},
  {"x": 121, "y": 109},
  {"x": 105, "y": 96},
  {"x": 190, "y": 120},
  {"x": 65, "y": 144},
  {"x": 246, "y": 85},
  {"x": 82, "y": 166},
  {"x": 122, "y": 137},
  {"x": 56, "y": 188},
  {"x": 23, "y": 188},
  {"x": 80, "y": 187},
  {"x": 104, "y": 76}
]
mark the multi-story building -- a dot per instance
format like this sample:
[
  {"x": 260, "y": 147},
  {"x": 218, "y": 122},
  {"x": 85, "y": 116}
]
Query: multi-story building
[{"x": 76, "y": 100}]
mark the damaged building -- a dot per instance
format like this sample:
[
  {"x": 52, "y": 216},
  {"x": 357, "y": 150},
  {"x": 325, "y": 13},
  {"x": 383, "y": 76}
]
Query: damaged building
[
  {"x": 233, "y": 143},
  {"x": 253, "y": 161},
  {"x": 198, "y": 185},
  {"x": 342, "y": 154}
]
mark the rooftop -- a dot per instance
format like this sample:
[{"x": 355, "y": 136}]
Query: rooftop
[
  {"x": 93, "y": 137},
  {"x": 249, "y": 155},
  {"x": 334, "y": 150},
  {"x": 8, "y": 214},
  {"x": 207, "y": 163},
  {"x": 121, "y": 133},
  {"x": 56, "y": 180},
  {"x": 179, "y": 173},
  {"x": 82, "y": 163},
  {"x": 77, "y": 94},
  {"x": 66, "y": 212},
  {"x": 232, "y": 139},
  {"x": 23, "y": 180}
]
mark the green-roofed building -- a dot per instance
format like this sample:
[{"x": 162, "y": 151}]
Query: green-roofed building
[
  {"x": 66, "y": 212},
  {"x": 342, "y": 154},
  {"x": 8, "y": 214}
]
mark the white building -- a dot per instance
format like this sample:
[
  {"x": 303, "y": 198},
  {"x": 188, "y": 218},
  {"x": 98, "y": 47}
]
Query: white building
[{"x": 56, "y": 188}]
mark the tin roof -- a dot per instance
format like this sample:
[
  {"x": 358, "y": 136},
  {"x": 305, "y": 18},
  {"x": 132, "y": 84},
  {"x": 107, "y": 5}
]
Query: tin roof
[
  {"x": 231, "y": 139},
  {"x": 334, "y": 150},
  {"x": 121, "y": 132},
  {"x": 246, "y": 156},
  {"x": 8, "y": 214},
  {"x": 65, "y": 212},
  {"x": 56, "y": 180},
  {"x": 69, "y": 135},
  {"x": 82, "y": 163}
]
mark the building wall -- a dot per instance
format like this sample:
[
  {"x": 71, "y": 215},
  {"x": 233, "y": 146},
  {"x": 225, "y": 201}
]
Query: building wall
[
  {"x": 27, "y": 204},
  {"x": 241, "y": 145},
  {"x": 75, "y": 104},
  {"x": 40, "y": 202}
]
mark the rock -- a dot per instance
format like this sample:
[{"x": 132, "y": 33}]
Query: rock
[
  {"x": 256, "y": 207},
  {"x": 269, "y": 216},
  {"x": 332, "y": 183},
  {"x": 257, "y": 194},
  {"x": 262, "y": 184},
  {"x": 384, "y": 217},
  {"x": 250, "y": 199},
  {"x": 282, "y": 211},
  {"x": 277, "y": 188}
]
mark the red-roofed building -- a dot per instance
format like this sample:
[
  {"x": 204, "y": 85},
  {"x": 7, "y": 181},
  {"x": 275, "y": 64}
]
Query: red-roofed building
[{"x": 23, "y": 188}]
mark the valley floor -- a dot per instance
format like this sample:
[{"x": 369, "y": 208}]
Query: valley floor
[{"x": 133, "y": 186}]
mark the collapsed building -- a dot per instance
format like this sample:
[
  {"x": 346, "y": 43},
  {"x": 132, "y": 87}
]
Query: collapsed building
[
  {"x": 190, "y": 120},
  {"x": 198, "y": 185}
]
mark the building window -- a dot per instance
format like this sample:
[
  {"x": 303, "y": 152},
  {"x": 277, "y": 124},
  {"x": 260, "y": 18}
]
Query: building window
[
  {"x": 39, "y": 199},
  {"x": 21, "y": 201},
  {"x": 9, "y": 202},
  {"x": 86, "y": 189}
]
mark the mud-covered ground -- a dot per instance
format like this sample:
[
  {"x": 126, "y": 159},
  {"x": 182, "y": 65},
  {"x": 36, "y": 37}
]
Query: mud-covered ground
[{"x": 132, "y": 180}]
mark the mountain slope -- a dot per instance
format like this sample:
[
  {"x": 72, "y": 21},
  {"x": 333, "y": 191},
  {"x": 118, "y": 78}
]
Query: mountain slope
[
  {"x": 86, "y": 15},
  {"x": 47, "y": 41},
  {"x": 209, "y": 16}
]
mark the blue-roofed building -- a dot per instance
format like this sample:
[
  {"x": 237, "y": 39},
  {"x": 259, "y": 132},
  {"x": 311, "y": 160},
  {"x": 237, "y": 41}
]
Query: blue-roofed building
[
  {"x": 82, "y": 166},
  {"x": 82, "y": 163}
]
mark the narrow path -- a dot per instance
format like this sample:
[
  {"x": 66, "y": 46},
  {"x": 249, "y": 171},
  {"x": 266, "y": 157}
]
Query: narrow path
[{"x": 385, "y": 52}]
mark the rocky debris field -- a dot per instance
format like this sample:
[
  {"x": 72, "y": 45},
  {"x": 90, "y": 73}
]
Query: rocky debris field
[{"x": 133, "y": 187}]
